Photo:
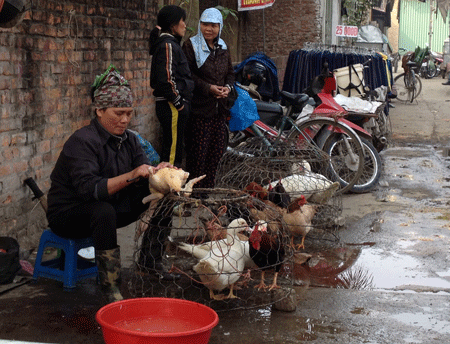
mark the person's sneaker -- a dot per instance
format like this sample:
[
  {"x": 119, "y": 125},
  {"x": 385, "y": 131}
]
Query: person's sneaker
[{"x": 446, "y": 83}]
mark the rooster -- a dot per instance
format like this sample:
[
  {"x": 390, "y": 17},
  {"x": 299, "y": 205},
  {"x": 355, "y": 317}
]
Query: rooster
[
  {"x": 278, "y": 195},
  {"x": 298, "y": 217},
  {"x": 267, "y": 252}
]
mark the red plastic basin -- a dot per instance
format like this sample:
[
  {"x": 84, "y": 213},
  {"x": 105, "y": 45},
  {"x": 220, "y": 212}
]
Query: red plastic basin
[{"x": 156, "y": 321}]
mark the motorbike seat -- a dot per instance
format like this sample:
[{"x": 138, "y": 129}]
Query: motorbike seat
[
  {"x": 297, "y": 100},
  {"x": 269, "y": 113}
]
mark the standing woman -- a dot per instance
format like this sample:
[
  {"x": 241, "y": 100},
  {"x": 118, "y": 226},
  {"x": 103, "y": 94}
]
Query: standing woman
[
  {"x": 171, "y": 81},
  {"x": 212, "y": 71}
]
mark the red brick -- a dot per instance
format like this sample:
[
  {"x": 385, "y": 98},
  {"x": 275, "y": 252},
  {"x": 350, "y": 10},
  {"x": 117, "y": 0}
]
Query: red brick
[
  {"x": 5, "y": 170},
  {"x": 43, "y": 147}
]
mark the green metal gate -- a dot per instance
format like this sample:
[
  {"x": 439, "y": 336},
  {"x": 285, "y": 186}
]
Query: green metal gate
[{"x": 415, "y": 23}]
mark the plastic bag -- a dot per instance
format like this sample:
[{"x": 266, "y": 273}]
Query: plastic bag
[
  {"x": 151, "y": 153},
  {"x": 244, "y": 111}
]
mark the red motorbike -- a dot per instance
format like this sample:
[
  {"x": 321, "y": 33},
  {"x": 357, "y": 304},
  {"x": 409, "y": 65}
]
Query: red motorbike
[{"x": 331, "y": 132}]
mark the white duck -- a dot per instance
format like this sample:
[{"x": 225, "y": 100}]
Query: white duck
[
  {"x": 314, "y": 186},
  {"x": 221, "y": 267},
  {"x": 201, "y": 250}
]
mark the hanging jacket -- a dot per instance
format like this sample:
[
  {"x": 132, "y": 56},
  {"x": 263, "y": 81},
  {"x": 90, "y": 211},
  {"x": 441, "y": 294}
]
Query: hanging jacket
[{"x": 170, "y": 76}]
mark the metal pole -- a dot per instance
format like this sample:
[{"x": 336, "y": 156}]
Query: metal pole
[
  {"x": 430, "y": 32},
  {"x": 264, "y": 31}
]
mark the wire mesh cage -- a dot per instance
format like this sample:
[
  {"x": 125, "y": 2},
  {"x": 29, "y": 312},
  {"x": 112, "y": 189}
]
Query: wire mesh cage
[
  {"x": 215, "y": 247},
  {"x": 290, "y": 177}
]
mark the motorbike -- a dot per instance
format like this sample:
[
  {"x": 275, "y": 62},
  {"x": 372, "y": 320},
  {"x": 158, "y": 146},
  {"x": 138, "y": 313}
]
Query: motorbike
[
  {"x": 327, "y": 138},
  {"x": 431, "y": 65}
]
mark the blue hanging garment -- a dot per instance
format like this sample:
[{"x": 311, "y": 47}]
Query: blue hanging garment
[{"x": 244, "y": 111}]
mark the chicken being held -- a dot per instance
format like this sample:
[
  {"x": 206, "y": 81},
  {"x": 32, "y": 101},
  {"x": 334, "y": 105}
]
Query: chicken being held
[
  {"x": 298, "y": 219},
  {"x": 162, "y": 182},
  {"x": 221, "y": 267},
  {"x": 267, "y": 252}
]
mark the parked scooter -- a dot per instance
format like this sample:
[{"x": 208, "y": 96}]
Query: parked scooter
[
  {"x": 431, "y": 65},
  {"x": 327, "y": 139}
]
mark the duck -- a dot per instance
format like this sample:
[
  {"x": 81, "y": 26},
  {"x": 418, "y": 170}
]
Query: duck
[
  {"x": 222, "y": 266},
  {"x": 200, "y": 251},
  {"x": 315, "y": 187}
]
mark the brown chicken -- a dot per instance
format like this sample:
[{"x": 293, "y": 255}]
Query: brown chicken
[
  {"x": 298, "y": 219},
  {"x": 257, "y": 191},
  {"x": 271, "y": 216}
]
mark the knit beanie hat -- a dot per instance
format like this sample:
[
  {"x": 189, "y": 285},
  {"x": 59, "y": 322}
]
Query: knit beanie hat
[
  {"x": 170, "y": 15},
  {"x": 111, "y": 89}
]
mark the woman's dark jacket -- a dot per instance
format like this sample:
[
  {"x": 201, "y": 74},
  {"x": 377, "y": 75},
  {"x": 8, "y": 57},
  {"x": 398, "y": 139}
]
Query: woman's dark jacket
[
  {"x": 88, "y": 159},
  {"x": 170, "y": 76},
  {"x": 217, "y": 70}
]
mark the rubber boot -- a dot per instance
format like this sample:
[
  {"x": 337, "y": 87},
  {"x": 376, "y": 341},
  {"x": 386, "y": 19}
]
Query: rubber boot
[{"x": 108, "y": 263}]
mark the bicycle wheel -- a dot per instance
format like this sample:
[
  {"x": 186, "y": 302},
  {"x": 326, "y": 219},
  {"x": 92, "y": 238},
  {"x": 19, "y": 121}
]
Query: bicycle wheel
[
  {"x": 418, "y": 88},
  {"x": 372, "y": 166},
  {"x": 346, "y": 161},
  {"x": 405, "y": 92}
]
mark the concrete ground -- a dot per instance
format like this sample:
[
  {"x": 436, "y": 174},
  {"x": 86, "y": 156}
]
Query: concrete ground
[{"x": 395, "y": 245}]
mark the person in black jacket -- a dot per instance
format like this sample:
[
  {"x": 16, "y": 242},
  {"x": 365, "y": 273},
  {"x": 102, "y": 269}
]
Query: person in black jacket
[
  {"x": 100, "y": 179},
  {"x": 171, "y": 81}
]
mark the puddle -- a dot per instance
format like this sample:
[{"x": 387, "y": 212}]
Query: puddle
[
  {"x": 371, "y": 268},
  {"x": 264, "y": 326},
  {"x": 427, "y": 322},
  {"x": 391, "y": 270}
]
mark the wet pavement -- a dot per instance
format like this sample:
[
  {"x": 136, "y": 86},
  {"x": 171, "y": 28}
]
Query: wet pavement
[{"x": 387, "y": 279}]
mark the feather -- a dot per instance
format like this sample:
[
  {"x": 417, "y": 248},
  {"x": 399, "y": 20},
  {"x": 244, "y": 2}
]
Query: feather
[
  {"x": 223, "y": 266},
  {"x": 267, "y": 252}
]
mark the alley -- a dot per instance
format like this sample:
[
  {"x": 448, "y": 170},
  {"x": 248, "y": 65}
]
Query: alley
[{"x": 397, "y": 238}]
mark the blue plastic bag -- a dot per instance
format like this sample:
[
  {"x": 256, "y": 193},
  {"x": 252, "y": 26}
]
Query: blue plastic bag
[
  {"x": 151, "y": 153},
  {"x": 244, "y": 111}
]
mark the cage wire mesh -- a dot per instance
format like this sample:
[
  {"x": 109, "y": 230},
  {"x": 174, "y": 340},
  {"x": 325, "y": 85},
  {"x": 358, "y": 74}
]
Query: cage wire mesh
[
  {"x": 285, "y": 175},
  {"x": 207, "y": 240}
]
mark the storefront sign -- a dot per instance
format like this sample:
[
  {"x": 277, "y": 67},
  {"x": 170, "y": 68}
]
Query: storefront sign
[
  {"x": 346, "y": 31},
  {"x": 246, "y": 5}
]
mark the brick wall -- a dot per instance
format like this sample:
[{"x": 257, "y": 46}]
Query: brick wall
[
  {"x": 49, "y": 60},
  {"x": 47, "y": 63},
  {"x": 288, "y": 25}
]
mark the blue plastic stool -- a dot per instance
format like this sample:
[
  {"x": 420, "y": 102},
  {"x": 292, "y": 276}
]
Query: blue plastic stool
[{"x": 75, "y": 268}]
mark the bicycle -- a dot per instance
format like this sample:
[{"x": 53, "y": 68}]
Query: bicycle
[
  {"x": 408, "y": 84},
  {"x": 396, "y": 57},
  {"x": 346, "y": 156}
]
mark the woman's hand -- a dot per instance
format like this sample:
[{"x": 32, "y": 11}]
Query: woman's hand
[
  {"x": 142, "y": 171},
  {"x": 163, "y": 165},
  {"x": 219, "y": 91}
]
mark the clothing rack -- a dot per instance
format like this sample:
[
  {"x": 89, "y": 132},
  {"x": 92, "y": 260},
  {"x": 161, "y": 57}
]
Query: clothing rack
[
  {"x": 305, "y": 64},
  {"x": 337, "y": 48}
]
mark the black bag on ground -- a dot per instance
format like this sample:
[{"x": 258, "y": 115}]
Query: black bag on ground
[{"x": 9, "y": 259}]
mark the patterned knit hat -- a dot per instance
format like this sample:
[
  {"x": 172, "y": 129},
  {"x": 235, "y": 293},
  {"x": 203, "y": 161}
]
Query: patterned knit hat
[{"x": 111, "y": 89}]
